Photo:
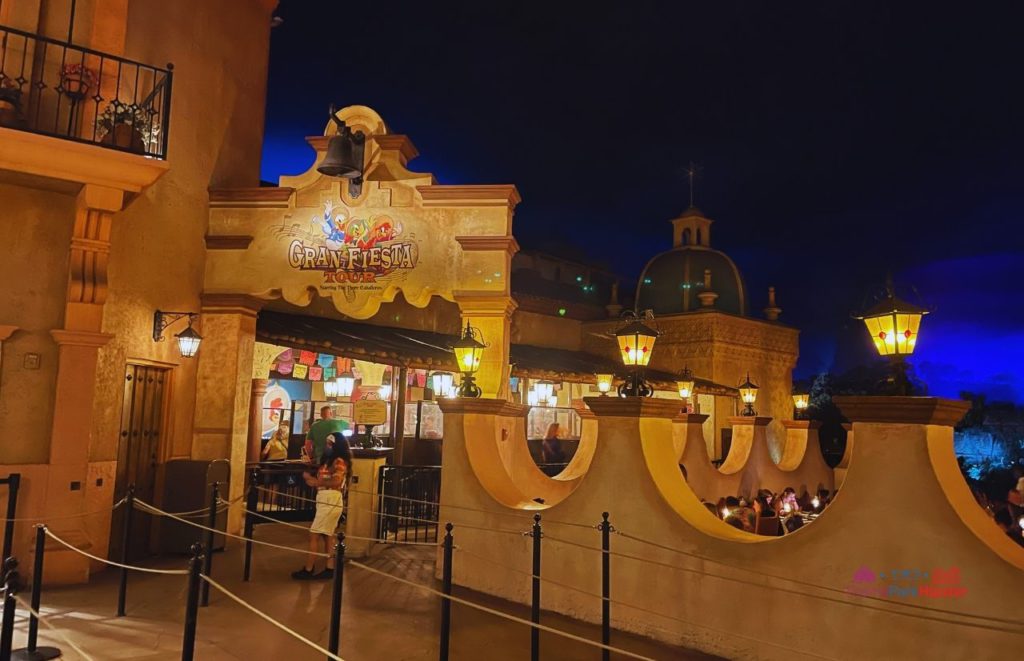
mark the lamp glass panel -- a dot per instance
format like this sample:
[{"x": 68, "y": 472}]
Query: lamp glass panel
[
  {"x": 604, "y": 382},
  {"x": 636, "y": 349},
  {"x": 749, "y": 395},
  {"x": 907, "y": 325},
  {"x": 685, "y": 388},
  {"x": 188, "y": 344},
  {"x": 883, "y": 334},
  {"x": 468, "y": 359},
  {"x": 800, "y": 402}
]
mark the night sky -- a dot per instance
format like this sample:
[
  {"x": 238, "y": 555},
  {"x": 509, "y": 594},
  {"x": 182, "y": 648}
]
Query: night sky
[{"x": 838, "y": 140}]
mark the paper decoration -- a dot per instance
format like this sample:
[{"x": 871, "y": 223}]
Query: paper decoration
[
  {"x": 307, "y": 357},
  {"x": 315, "y": 373},
  {"x": 325, "y": 360},
  {"x": 300, "y": 371},
  {"x": 329, "y": 373},
  {"x": 285, "y": 368}
]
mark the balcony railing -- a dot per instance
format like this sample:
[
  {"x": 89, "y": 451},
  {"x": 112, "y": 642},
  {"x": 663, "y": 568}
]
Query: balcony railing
[{"x": 54, "y": 88}]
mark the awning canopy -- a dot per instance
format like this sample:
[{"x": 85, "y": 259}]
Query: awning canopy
[{"x": 420, "y": 349}]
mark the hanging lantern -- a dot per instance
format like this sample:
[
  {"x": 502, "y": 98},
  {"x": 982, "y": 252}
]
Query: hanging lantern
[
  {"x": 468, "y": 351},
  {"x": 346, "y": 383},
  {"x": 748, "y": 393},
  {"x": 188, "y": 341},
  {"x": 604, "y": 383},
  {"x": 544, "y": 390},
  {"x": 441, "y": 383},
  {"x": 331, "y": 389}
]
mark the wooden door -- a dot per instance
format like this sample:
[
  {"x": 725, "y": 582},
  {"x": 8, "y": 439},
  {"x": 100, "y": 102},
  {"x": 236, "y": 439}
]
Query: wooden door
[{"x": 142, "y": 418}]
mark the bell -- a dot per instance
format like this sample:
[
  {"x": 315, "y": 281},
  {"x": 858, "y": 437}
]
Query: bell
[{"x": 344, "y": 156}]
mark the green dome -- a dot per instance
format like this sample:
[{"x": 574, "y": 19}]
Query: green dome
[{"x": 672, "y": 281}]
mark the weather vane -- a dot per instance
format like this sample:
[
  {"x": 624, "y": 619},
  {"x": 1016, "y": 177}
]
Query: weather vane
[{"x": 691, "y": 175}]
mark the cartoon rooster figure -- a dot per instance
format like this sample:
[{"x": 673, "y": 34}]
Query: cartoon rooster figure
[
  {"x": 384, "y": 229},
  {"x": 333, "y": 225}
]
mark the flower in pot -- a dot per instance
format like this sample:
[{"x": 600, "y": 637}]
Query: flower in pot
[
  {"x": 10, "y": 103},
  {"x": 124, "y": 127},
  {"x": 77, "y": 79}
]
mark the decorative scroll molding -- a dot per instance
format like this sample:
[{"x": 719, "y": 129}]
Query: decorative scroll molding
[
  {"x": 270, "y": 197},
  {"x": 506, "y": 243},
  {"x": 504, "y": 195},
  {"x": 228, "y": 242}
]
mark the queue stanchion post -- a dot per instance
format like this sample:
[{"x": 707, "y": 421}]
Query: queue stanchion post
[
  {"x": 251, "y": 502},
  {"x": 188, "y": 641},
  {"x": 126, "y": 538},
  {"x": 211, "y": 523},
  {"x": 13, "y": 484},
  {"x": 606, "y": 599},
  {"x": 338, "y": 581},
  {"x": 11, "y": 587},
  {"x": 536, "y": 533},
  {"x": 32, "y": 652},
  {"x": 446, "y": 588}
]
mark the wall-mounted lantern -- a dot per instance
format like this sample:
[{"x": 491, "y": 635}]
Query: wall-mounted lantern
[
  {"x": 188, "y": 339},
  {"x": 685, "y": 384},
  {"x": 800, "y": 404}
]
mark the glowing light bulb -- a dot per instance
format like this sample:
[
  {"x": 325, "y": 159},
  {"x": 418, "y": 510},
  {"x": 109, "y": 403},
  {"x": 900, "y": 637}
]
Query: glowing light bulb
[
  {"x": 725, "y": 512},
  {"x": 815, "y": 502}
]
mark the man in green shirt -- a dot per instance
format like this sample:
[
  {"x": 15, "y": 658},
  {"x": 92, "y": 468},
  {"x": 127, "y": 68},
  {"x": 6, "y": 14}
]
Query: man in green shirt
[{"x": 316, "y": 438}]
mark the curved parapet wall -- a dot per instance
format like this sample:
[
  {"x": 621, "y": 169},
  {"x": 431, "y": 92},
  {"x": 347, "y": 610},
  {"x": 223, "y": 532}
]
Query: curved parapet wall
[
  {"x": 702, "y": 477},
  {"x": 900, "y": 509}
]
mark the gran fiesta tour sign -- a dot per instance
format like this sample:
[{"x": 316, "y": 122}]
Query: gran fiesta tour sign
[{"x": 352, "y": 251}]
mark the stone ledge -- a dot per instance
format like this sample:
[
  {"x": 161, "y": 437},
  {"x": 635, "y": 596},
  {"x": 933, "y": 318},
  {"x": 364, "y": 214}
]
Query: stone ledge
[
  {"x": 482, "y": 405},
  {"x": 633, "y": 407},
  {"x": 801, "y": 424},
  {"x": 903, "y": 410},
  {"x": 754, "y": 420},
  {"x": 691, "y": 418}
]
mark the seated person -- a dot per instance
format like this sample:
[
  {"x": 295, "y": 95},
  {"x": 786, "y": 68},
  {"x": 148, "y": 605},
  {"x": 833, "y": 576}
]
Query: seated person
[
  {"x": 745, "y": 514},
  {"x": 790, "y": 505},
  {"x": 1005, "y": 521},
  {"x": 734, "y": 522}
]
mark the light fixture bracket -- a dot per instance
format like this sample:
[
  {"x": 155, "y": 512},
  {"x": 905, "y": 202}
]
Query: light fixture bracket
[{"x": 162, "y": 320}]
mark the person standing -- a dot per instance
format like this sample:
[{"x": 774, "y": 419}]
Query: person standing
[
  {"x": 316, "y": 438},
  {"x": 276, "y": 448},
  {"x": 331, "y": 475}
]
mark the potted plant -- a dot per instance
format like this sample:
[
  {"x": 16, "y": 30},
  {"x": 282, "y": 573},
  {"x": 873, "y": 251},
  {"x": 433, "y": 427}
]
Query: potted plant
[
  {"x": 10, "y": 103},
  {"x": 124, "y": 126},
  {"x": 77, "y": 79}
]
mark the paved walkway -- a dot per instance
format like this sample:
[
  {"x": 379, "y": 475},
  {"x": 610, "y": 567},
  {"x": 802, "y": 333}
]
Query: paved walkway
[{"x": 381, "y": 619}]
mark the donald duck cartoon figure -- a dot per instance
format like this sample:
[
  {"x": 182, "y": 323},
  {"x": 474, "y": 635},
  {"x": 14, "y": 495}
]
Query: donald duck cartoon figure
[{"x": 333, "y": 225}]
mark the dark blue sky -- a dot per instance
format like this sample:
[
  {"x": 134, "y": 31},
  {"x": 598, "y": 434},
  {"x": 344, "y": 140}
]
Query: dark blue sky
[{"x": 838, "y": 140}]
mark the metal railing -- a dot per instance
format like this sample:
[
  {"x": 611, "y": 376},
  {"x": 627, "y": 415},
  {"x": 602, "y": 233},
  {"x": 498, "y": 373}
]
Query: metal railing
[
  {"x": 280, "y": 493},
  {"x": 408, "y": 503},
  {"x": 58, "y": 89}
]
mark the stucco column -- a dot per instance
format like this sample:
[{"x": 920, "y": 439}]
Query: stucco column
[
  {"x": 224, "y": 388},
  {"x": 493, "y": 316},
  {"x": 79, "y": 342},
  {"x": 258, "y": 390},
  {"x": 749, "y": 454}
]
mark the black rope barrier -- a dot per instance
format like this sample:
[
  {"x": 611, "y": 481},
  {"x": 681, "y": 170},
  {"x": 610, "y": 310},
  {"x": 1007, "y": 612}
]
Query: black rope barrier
[
  {"x": 338, "y": 579},
  {"x": 32, "y": 652},
  {"x": 211, "y": 523},
  {"x": 446, "y": 588},
  {"x": 126, "y": 538},
  {"x": 13, "y": 482}
]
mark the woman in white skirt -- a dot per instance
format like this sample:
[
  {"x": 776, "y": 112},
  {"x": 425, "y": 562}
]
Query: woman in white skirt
[{"x": 335, "y": 466}]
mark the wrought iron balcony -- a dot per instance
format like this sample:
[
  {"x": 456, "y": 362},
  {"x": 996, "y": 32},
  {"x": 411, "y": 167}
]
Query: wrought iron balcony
[{"x": 58, "y": 89}]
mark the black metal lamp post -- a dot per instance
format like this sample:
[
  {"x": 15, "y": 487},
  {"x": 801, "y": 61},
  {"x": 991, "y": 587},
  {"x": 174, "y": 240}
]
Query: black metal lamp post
[
  {"x": 636, "y": 340},
  {"x": 893, "y": 325},
  {"x": 468, "y": 351},
  {"x": 748, "y": 393}
]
